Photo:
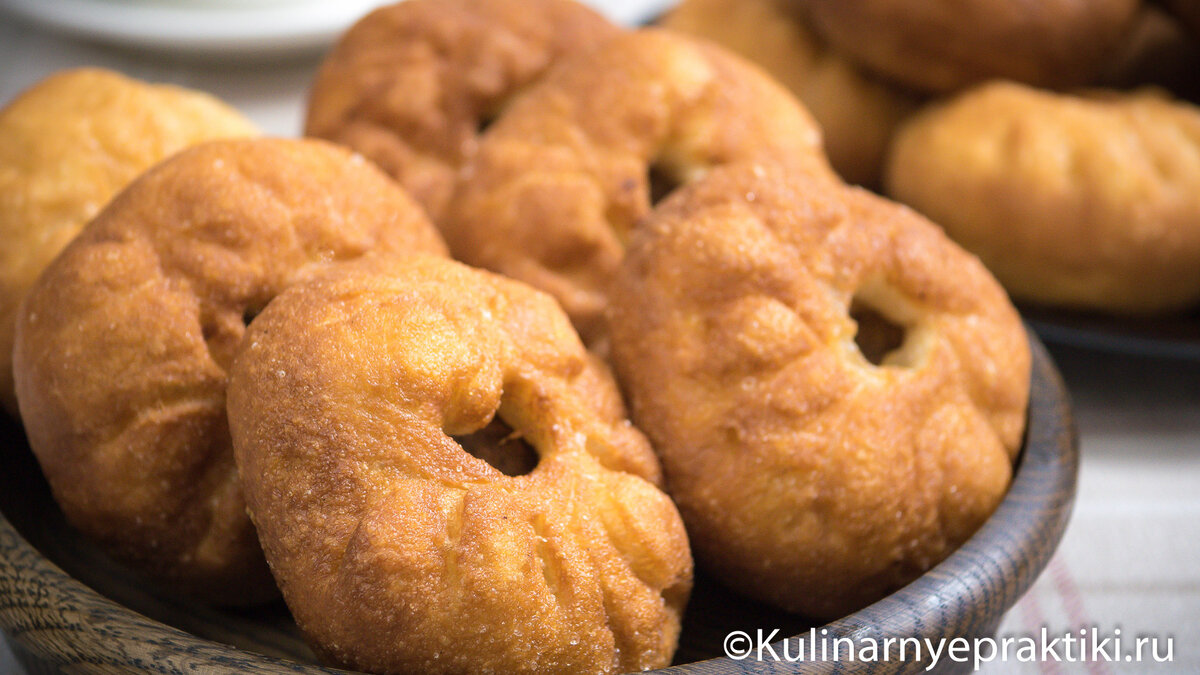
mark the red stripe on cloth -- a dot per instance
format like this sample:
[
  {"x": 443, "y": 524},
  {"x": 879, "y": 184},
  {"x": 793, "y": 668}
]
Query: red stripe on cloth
[
  {"x": 1034, "y": 620},
  {"x": 1072, "y": 601}
]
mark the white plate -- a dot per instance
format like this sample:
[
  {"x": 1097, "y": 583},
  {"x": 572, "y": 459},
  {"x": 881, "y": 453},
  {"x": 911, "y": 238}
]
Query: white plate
[
  {"x": 235, "y": 28},
  {"x": 631, "y": 12},
  {"x": 223, "y": 29}
]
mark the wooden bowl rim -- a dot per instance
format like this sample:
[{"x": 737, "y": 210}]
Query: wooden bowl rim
[{"x": 967, "y": 593}]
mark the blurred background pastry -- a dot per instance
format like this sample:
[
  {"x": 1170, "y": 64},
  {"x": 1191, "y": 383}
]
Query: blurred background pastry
[
  {"x": 856, "y": 111},
  {"x": 942, "y": 46},
  {"x": 1088, "y": 201},
  {"x": 413, "y": 84}
]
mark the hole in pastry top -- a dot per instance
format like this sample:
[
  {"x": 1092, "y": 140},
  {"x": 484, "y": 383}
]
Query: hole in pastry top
[
  {"x": 663, "y": 180},
  {"x": 500, "y": 446},
  {"x": 249, "y": 314},
  {"x": 484, "y": 122},
  {"x": 877, "y": 336},
  {"x": 487, "y": 111},
  {"x": 886, "y": 333},
  {"x": 253, "y": 309},
  {"x": 673, "y": 166}
]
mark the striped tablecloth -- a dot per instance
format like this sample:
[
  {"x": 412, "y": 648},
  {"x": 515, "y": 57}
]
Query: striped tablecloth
[{"x": 1130, "y": 559}]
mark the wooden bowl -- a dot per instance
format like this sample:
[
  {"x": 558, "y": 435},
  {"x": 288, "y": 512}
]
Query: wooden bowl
[{"x": 66, "y": 607}]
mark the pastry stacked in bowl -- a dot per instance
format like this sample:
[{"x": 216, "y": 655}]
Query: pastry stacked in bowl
[
  {"x": 541, "y": 309},
  {"x": 1044, "y": 137}
]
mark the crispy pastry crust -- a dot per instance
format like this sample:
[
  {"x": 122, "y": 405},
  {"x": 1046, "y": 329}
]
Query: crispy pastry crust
[
  {"x": 809, "y": 476},
  {"x": 564, "y": 175},
  {"x": 123, "y": 344},
  {"x": 67, "y": 145},
  {"x": 398, "y": 551},
  {"x": 411, "y": 84}
]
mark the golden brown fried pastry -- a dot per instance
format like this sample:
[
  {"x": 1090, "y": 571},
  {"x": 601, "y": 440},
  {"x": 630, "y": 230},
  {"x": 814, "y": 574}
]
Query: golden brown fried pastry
[
  {"x": 835, "y": 389},
  {"x": 941, "y": 46},
  {"x": 351, "y": 403},
  {"x": 123, "y": 344},
  {"x": 857, "y": 113},
  {"x": 67, "y": 145},
  {"x": 564, "y": 175},
  {"x": 1085, "y": 202},
  {"x": 411, "y": 84}
]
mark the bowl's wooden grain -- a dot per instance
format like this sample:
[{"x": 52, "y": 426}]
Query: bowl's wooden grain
[{"x": 64, "y": 607}]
